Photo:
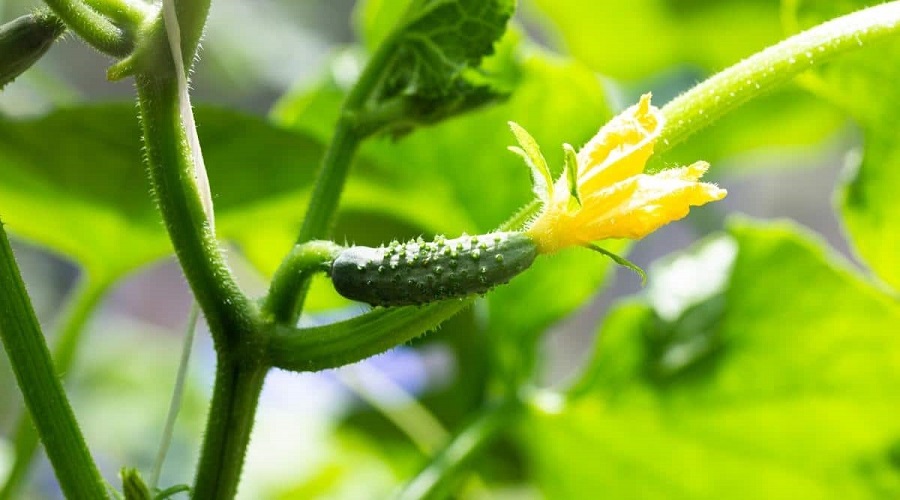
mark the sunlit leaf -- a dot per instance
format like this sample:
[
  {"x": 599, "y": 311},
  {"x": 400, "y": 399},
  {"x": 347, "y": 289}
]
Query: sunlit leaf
[
  {"x": 669, "y": 45},
  {"x": 864, "y": 84},
  {"x": 795, "y": 390}
]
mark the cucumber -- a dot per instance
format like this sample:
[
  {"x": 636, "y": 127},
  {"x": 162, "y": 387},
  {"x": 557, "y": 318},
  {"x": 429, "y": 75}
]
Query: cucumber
[
  {"x": 24, "y": 40},
  {"x": 418, "y": 272}
]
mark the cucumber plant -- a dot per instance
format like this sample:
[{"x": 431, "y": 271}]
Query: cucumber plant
[{"x": 440, "y": 59}]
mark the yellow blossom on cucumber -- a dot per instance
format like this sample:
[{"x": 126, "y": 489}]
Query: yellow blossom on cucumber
[{"x": 603, "y": 192}]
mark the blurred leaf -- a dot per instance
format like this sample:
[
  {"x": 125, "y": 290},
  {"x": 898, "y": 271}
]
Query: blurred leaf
[
  {"x": 864, "y": 84},
  {"x": 637, "y": 39},
  {"x": 795, "y": 398},
  {"x": 355, "y": 467},
  {"x": 651, "y": 38},
  {"x": 82, "y": 191},
  {"x": 374, "y": 19}
]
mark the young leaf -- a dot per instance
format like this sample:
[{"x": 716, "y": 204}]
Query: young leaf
[
  {"x": 430, "y": 72},
  {"x": 437, "y": 40},
  {"x": 542, "y": 180}
]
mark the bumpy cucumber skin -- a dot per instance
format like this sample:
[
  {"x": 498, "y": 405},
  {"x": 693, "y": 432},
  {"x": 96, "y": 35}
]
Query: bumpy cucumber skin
[{"x": 418, "y": 272}]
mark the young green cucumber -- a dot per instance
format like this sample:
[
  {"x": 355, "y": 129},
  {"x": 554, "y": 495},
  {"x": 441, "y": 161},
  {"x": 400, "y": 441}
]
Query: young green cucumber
[
  {"x": 24, "y": 40},
  {"x": 418, "y": 272}
]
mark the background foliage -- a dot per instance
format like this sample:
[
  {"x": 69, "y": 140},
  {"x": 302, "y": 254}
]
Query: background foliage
[{"x": 760, "y": 362}]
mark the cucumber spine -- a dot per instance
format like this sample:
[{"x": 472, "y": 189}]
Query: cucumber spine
[{"x": 418, "y": 272}]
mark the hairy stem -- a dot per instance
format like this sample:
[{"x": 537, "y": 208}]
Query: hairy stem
[
  {"x": 81, "y": 303},
  {"x": 302, "y": 263},
  {"x": 349, "y": 134},
  {"x": 228, "y": 312},
  {"x": 759, "y": 73},
  {"x": 355, "y": 339},
  {"x": 42, "y": 390},
  {"x": 228, "y": 428},
  {"x": 94, "y": 28}
]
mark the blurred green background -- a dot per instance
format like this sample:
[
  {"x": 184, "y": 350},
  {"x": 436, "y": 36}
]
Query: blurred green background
[{"x": 761, "y": 360}]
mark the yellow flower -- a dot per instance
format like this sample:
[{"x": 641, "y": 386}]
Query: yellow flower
[{"x": 603, "y": 193}]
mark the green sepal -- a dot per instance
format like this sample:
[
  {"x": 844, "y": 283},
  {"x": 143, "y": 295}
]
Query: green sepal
[
  {"x": 542, "y": 180},
  {"x": 571, "y": 173},
  {"x": 622, "y": 261}
]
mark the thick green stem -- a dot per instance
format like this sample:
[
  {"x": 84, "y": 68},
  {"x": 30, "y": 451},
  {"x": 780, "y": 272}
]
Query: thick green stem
[
  {"x": 759, "y": 73},
  {"x": 233, "y": 320},
  {"x": 351, "y": 130},
  {"x": 305, "y": 260},
  {"x": 40, "y": 386},
  {"x": 228, "y": 428},
  {"x": 93, "y": 27},
  {"x": 440, "y": 474},
  {"x": 228, "y": 312},
  {"x": 82, "y": 302},
  {"x": 345, "y": 342}
]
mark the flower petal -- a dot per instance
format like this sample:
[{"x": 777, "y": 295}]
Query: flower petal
[
  {"x": 655, "y": 201},
  {"x": 621, "y": 147}
]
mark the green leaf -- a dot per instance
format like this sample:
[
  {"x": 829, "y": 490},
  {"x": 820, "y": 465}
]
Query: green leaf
[
  {"x": 668, "y": 45},
  {"x": 864, "y": 84},
  {"x": 82, "y": 191},
  {"x": 375, "y": 19},
  {"x": 437, "y": 40},
  {"x": 637, "y": 39},
  {"x": 429, "y": 64},
  {"x": 796, "y": 391}
]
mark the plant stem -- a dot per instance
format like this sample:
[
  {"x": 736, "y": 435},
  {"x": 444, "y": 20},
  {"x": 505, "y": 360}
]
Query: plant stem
[
  {"x": 233, "y": 320},
  {"x": 228, "y": 312},
  {"x": 81, "y": 304},
  {"x": 92, "y": 27},
  {"x": 228, "y": 428},
  {"x": 725, "y": 91},
  {"x": 42, "y": 390},
  {"x": 355, "y": 339},
  {"x": 438, "y": 476},
  {"x": 349, "y": 134},
  {"x": 294, "y": 272}
]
